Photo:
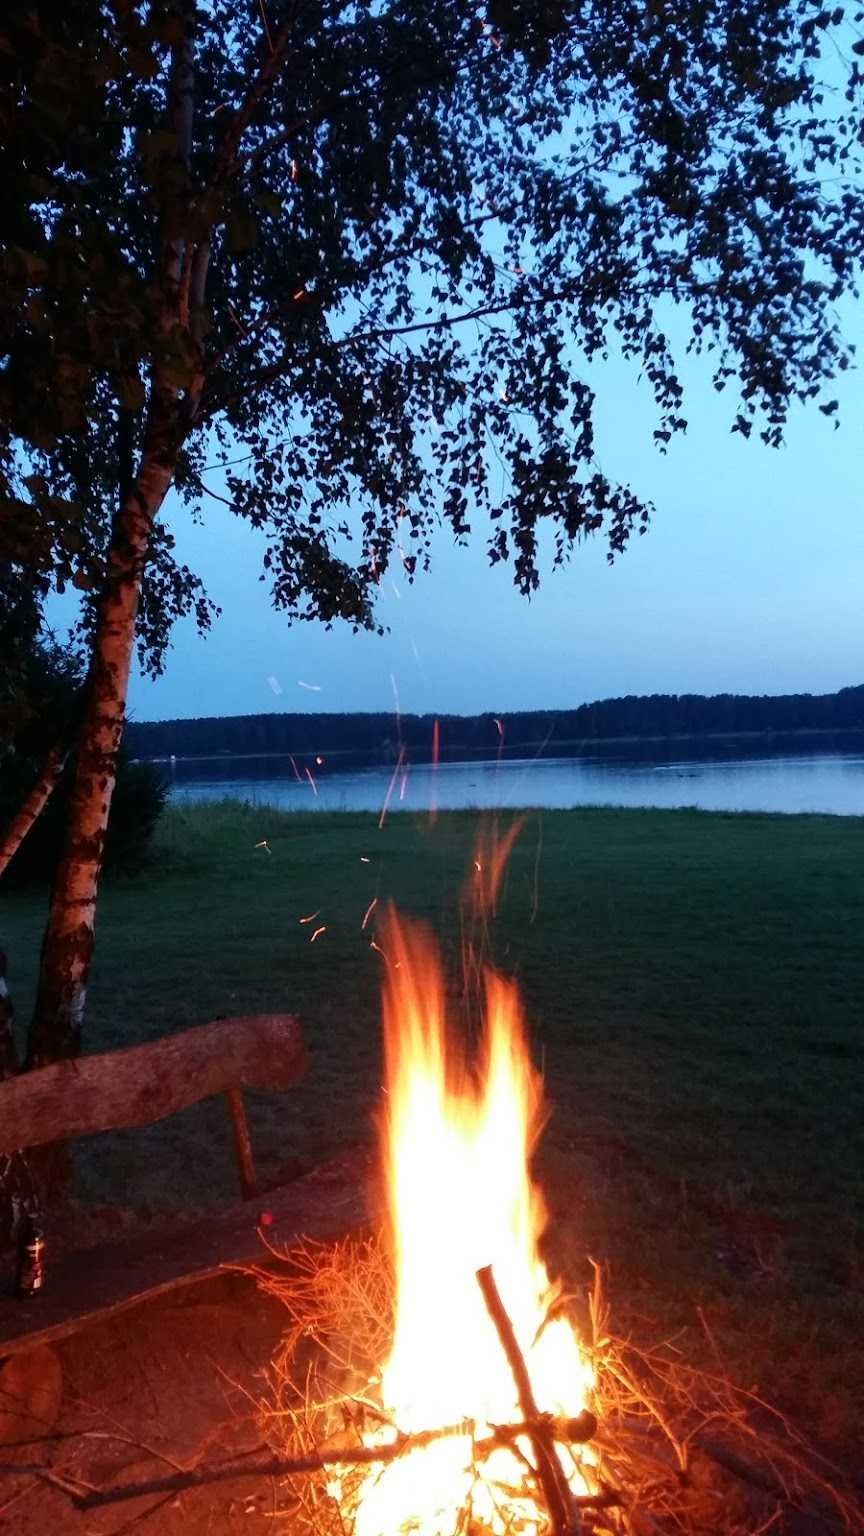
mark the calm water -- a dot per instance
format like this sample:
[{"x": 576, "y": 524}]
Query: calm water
[{"x": 827, "y": 782}]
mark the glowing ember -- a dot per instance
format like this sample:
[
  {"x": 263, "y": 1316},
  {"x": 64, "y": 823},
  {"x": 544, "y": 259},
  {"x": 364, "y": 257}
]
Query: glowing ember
[{"x": 457, "y": 1144}]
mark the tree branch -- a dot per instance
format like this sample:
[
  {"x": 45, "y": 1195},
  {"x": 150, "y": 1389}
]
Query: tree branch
[
  {"x": 199, "y": 267},
  {"x": 282, "y": 364},
  {"x": 28, "y": 813},
  {"x": 181, "y": 113},
  {"x": 277, "y": 48},
  {"x": 275, "y": 370},
  {"x": 195, "y": 292},
  {"x": 423, "y": 246}
]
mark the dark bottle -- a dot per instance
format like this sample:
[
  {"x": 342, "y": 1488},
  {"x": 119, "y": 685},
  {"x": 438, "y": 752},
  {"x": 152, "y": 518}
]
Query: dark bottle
[{"x": 31, "y": 1259}]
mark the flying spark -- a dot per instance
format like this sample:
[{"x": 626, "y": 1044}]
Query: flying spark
[
  {"x": 436, "y": 757},
  {"x": 396, "y": 771},
  {"x": 369, "y": 910},
  {"x": 311, "y": 918},
  {"x": 308, "y": 773},
  {"x": 318, "y": 932}
]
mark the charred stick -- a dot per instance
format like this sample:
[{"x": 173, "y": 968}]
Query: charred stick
[
  {"x": 572, "y": 1430},
  {"x": 763, "y": 1478},
  {"x": 563, "y": 1511},
  {"x": 270, "y": 1466},
  {"x": 575, "y": 1431}
]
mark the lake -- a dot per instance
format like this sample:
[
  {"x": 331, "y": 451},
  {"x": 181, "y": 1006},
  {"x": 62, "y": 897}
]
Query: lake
[{"x": 830, "y": 782}]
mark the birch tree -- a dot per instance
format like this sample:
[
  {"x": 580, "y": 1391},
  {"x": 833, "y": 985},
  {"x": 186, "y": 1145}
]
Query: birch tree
[{"x": 345, "y": 265}]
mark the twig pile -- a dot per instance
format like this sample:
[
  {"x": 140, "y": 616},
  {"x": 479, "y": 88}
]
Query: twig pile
[
  {"x": 680, "y": 1450},
  {"x": 696, "y": 1451}
]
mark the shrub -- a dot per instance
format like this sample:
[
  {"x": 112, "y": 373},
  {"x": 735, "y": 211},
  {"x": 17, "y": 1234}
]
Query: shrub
[{"x": 139, "y": 799}]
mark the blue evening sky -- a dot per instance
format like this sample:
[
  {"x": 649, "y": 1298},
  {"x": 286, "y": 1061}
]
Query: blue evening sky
[{"x": 750, "y": 579}]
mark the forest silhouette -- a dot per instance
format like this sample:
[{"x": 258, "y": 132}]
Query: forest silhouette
[{"x": 378, "y": 736}]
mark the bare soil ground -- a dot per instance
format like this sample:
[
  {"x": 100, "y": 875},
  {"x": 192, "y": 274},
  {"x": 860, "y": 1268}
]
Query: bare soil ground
[{"x": 158, "y": 1389}]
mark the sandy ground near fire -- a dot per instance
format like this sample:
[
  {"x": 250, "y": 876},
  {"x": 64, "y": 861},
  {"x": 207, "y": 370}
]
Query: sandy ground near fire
[{"x": 159, "y": 1388}]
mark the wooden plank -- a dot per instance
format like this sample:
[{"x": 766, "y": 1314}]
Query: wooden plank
[
  {"x": 111, "y": 1090},
  {"x": 86, "y": 1286}
]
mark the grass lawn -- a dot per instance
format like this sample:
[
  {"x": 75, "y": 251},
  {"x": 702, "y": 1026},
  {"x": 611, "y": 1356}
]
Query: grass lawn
[{"x": 694, "y": 987}]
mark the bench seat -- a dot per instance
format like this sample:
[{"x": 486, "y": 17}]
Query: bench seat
[{"x": 87, "y": 1285}]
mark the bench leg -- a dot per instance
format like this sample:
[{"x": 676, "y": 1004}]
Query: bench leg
[{"x": 242, "y": 1144}]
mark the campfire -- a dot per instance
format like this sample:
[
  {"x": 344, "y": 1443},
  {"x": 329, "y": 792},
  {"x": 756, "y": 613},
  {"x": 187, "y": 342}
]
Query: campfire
[
  {"x": 431, "y": 1381},
  {"x": 476, "y": 1340}
]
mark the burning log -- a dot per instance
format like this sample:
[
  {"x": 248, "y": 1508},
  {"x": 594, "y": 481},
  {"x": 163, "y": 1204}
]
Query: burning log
[
  {"x": 563, "y": 1511},
  {"x": 340, "y": 1456}
]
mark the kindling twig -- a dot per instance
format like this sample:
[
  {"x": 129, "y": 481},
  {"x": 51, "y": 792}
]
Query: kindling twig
[
  {"x": 571, "y": 1431},
  {"x": 563, "y": 1510}
]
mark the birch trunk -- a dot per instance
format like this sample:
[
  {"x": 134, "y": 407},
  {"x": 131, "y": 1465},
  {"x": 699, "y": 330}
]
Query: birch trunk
[
  {"x": 55, "y": 1032},
  {"x": 31, "y": 810}
]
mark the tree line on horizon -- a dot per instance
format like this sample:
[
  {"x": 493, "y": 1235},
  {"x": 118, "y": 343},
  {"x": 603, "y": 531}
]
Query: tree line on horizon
[{"x": 383, "y": 734}]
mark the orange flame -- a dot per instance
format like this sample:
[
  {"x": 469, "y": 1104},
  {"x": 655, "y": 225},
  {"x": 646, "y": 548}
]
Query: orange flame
[{"x": 457, "y": 1139}]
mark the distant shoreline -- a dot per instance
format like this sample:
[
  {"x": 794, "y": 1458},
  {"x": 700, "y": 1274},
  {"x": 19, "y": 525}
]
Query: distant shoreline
[
  {"x": 605, "y": 725},
  {"x": 549, "y": 747}
]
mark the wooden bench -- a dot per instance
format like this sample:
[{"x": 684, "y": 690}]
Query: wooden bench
[{"x": 138, "y": 1086}]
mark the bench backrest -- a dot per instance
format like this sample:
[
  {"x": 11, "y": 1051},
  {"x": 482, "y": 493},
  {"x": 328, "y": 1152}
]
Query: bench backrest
[{"x": 112, "y": 1090}]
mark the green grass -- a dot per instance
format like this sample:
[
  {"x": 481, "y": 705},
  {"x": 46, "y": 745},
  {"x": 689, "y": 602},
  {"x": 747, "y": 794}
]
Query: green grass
[{"x": 694, "y": 987}]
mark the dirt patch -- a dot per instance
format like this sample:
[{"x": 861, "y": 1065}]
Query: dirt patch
[{"x": 158, "y": 1389}]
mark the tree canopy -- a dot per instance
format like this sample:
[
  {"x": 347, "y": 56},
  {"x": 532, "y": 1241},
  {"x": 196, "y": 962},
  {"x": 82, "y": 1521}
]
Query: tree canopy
[{"x": 360, "y": 255}]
